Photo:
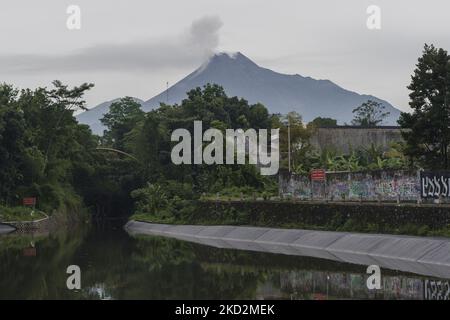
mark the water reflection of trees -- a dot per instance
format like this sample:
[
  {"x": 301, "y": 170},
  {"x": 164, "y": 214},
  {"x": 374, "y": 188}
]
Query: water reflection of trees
[
  {"x": 36, "y": 277},
  {"x": 119, "y": 267},
  {"x": 170, "y": 269}
]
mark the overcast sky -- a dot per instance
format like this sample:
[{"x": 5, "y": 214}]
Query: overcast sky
[{"x": 134, "y": 47}]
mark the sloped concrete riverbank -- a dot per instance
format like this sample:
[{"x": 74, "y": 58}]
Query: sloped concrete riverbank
[
  {"x": 25, "y": 226},
  {"x": 4, "y": 228},
  {"x": 424, "y": 256}
]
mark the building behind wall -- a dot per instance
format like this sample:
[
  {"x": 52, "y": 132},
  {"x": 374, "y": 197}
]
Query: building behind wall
[{"x": 343, "y": 139}]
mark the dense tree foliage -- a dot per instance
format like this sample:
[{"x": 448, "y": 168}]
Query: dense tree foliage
[
  {"x": 46, "y": 154},
  {"x": 122, "y": 117},
  {"x": 150, "y": 139},
  {"x": 320, "y": 122},
  {"x": 167, "y": 188},
  {"x": 428, "y": 137},
  {"x": 44, "y": 151}
]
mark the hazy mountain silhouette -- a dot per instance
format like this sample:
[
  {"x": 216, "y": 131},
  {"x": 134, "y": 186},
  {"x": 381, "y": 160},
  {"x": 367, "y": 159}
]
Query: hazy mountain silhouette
[{"x": 280, "y": 93}]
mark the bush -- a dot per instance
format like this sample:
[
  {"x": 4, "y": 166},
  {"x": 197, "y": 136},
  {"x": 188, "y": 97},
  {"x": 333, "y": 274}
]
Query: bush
[
  {"x": 167, "y": 202},
  {"x": 151, "y": 199}
]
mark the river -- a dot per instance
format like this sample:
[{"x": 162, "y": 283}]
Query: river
[{"x": 115, "y": 265}]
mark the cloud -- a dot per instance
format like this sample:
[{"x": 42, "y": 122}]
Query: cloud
[{"x": 184, "y": 50}]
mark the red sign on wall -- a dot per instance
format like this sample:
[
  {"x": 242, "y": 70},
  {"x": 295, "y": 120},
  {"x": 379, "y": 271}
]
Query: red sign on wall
[
  {"x": 29, "y": 252},
  {"x": 318, "y": 175},
  {"x": 29, "y": 201}
]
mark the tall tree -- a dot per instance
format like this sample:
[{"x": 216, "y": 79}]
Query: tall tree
[
  {"x": 43, "y": 151},
  {"x": 122, "y": 117},
  {"x": 12, "y": 142},
  {"x": 62, "y": 102},
  {"x": 428, "y": 137},
  {"x": 369, "y": 114}
]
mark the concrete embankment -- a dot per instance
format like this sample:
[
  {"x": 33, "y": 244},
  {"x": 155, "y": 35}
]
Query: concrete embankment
[
  {"x": 425, "y": 256},
  {"x": 29, "y": 226},
  {"x": 4, "y": 228}
]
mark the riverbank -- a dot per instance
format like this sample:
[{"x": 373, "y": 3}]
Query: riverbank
[
  {"x": 21, "y": 219},
  {"x": 426, "y": 256},
  {"x": 31, "y": 225},
  {"x": 385, "y": 218},
  {"x": 40, "y": 221},
  {"x": 11, "y": 214}
]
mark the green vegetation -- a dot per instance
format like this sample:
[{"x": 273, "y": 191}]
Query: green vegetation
[
  {"x": 41, "y": 277},
  {"x": 168, "y": 202},
  {"x": 370, "y": 158},
  {"x": 63, "y": 167},
  {"x": 20, "y": 214},
  {"x": 344, "y": 217},
  {"x": 122, "y": 117},
  {"x": 428, "y": 138},
  {"x": 166, "y": 189},
  {"x": 320, "y": 122},
  {"x": 45, "y": 153}
]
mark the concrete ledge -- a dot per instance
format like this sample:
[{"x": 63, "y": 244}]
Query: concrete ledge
[
  {"x": 28, "y": 226},
  {"x": 5, "y": 228},
  {"x": 425, "y": 256}
]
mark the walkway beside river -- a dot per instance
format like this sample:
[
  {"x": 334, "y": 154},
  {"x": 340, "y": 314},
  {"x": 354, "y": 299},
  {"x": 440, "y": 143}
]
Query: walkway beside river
[{"x": 425, "y": 256}]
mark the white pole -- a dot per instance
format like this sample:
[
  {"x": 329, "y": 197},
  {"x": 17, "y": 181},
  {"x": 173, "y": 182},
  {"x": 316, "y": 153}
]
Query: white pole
[{"x": 289, "y": 144}]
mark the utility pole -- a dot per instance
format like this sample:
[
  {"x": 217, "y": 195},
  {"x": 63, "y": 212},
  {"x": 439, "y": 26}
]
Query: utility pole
[
  {"x": 289, "y": 143},
  {"x": 167, "y": 92}
]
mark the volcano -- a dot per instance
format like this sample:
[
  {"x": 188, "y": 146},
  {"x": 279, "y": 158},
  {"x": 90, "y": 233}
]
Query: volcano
[{"x": 280, "y": 93}]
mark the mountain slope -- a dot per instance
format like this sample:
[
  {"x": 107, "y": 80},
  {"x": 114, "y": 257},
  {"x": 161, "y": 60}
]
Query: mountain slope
[{"x": 280, "y": 93}]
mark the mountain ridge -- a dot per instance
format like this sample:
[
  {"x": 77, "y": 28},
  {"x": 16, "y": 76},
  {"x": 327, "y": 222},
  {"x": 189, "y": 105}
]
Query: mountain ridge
[{"x": 280, "y": 93}]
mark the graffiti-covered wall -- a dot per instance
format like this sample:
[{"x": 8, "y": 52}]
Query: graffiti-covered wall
[
  {"x": 434, "y": 184},
  {"x": 307, "y": 284},
  {"x": 295, "y": 185},
  {"x": 368, "y": 186}
]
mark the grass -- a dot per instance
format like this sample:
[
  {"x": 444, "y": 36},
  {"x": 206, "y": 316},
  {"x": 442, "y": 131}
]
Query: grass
[
  {"x": 9, "y": 214},
  {"x": 153, "y": 219}
]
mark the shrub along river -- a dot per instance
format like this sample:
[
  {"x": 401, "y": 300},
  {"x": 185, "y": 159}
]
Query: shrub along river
[{"x": 115, "y": 265}]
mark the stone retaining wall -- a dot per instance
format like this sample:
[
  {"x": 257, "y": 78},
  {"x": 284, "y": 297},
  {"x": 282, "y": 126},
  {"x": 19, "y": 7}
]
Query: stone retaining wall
[{"x": 311, "y": 213}]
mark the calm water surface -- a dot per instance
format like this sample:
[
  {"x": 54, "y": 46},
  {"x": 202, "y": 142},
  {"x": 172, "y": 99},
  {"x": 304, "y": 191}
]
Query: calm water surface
[{"x": 115, "y": 265}]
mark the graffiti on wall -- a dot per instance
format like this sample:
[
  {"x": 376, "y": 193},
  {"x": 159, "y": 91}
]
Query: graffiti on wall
[
  {"x": 367, "y": 186},
  {"x": 434, "y": 184},
  {"x": 437, "y": 290},
  {"x": 295, "y": 186},
  {"x": 302, "y": 283}
]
